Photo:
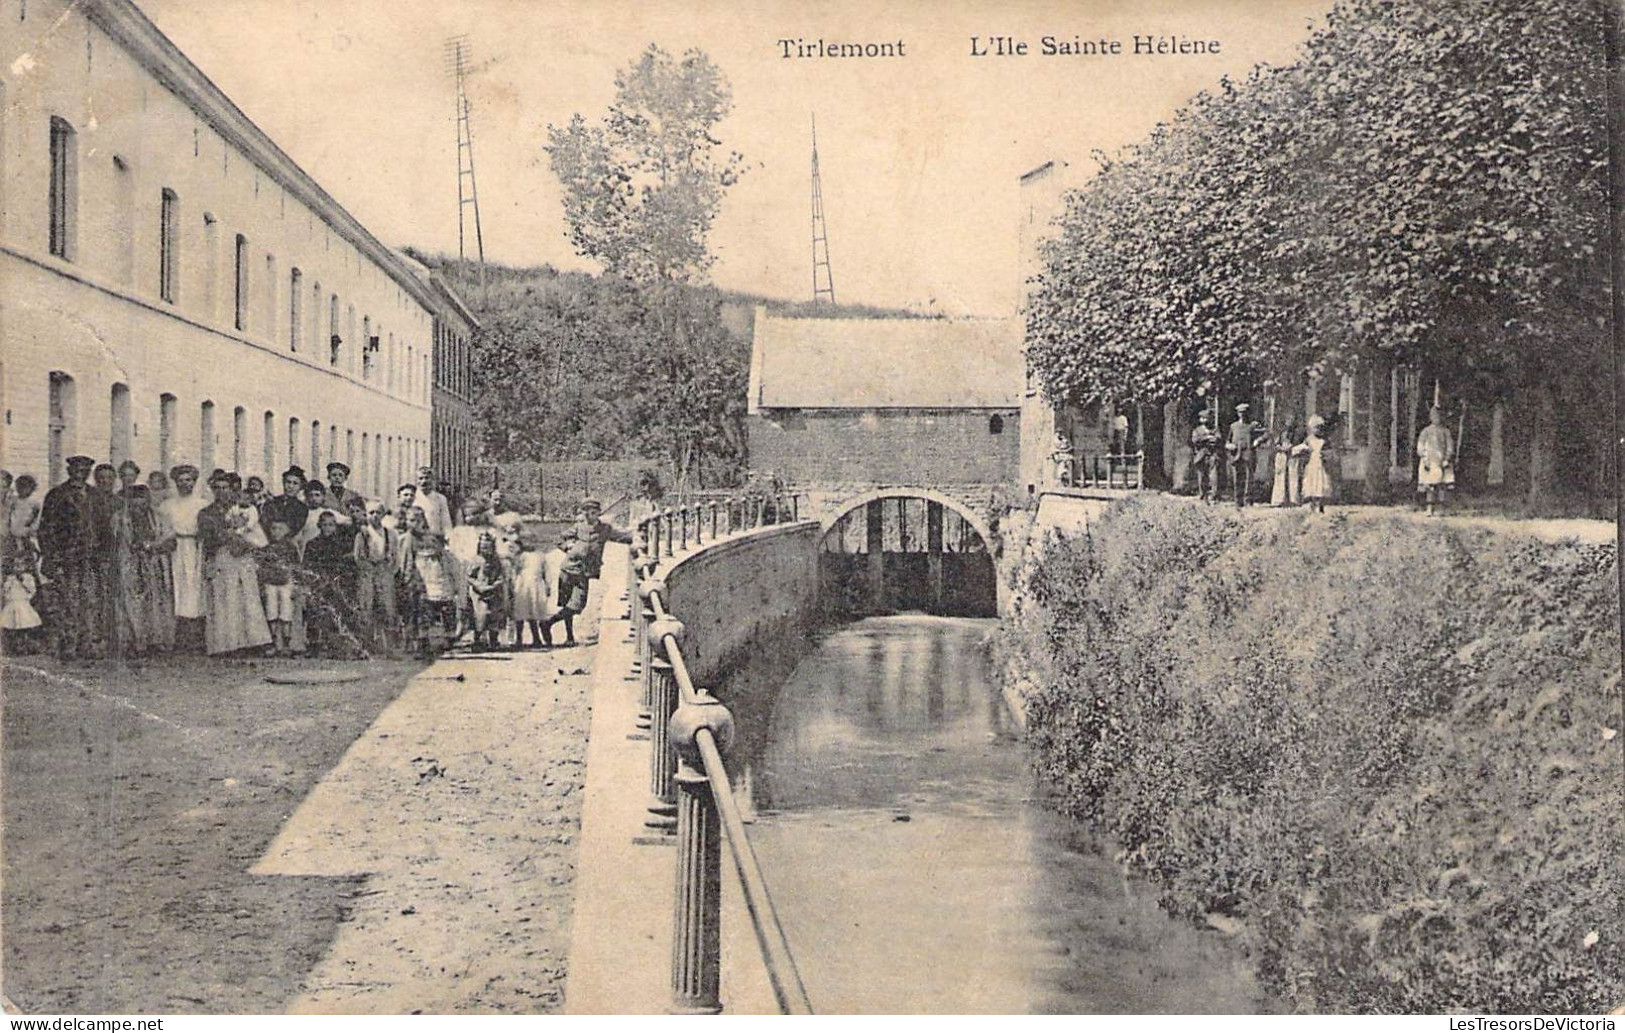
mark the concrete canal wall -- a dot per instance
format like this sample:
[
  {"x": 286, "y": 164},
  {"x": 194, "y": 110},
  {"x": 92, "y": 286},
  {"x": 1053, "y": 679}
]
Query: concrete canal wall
[{"x": 737, "y": 594}]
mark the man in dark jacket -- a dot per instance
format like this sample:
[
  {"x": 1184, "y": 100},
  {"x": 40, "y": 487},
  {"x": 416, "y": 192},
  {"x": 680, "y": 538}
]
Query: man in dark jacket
[
  {"x": 592, "y": 529},
  {"x": 1245, "y": 438},
  {"x": 289, "y": 507},
  {"x": 74, "y": 566}
]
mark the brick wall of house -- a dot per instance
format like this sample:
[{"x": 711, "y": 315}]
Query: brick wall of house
[{"x": 887, "y": 446}]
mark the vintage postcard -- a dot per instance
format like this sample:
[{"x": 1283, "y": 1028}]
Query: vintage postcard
[{"x": 598, "y": 507}]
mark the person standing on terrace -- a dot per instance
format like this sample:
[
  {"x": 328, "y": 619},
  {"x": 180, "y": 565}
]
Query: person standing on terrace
[{"x": 1435, "y": 460}]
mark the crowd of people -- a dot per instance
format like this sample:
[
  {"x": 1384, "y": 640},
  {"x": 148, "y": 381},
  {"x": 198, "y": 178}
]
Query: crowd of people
[
  {"x": 107, "y": 564},
  {"x": 1299, "y": 474}
]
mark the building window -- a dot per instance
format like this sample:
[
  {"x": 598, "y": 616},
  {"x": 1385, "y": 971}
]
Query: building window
[
  {"x": 206, "y": 438},
  {"x": 166, "y": 431},
  {"x": 239, "y": 438},
  {"x": 293, "y": 440},
  {"x": 296, "y": 307},
  {"x": 118, "y": 425},
  {"x": 995, "y": 425},
  {"x": 211, "y": 267},
  {"x": 268, "y": 455},
  {"x": 335, "y": 343},
  {"x": 240, "y": 321},
  {"x": 168, "y": 253},
  {"x": 61, "y": 424},
  {"x": 368, "y": 345},
  {"x": 64, "y": 200},
  {"x": 315, "y": 448}
]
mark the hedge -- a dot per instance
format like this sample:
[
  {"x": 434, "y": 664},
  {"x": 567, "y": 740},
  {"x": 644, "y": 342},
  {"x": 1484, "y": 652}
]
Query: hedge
[{"x": 1386, "y": 754}]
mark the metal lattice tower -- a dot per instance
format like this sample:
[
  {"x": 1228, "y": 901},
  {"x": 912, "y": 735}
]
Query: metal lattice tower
[
  {"x": 824, "y": 285},
  {"x": 468, "y": 193}
]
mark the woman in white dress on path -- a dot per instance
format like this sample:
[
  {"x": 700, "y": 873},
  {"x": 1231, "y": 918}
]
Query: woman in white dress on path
[{"x": 180, "y": 512}]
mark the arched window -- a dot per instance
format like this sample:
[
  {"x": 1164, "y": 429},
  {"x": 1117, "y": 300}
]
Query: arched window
[
  {"x": 168, "y": 409},
  {"x": 118, "y": 424},
  {"x": 62, "y": 424},
  {"x": 239, "y": 438},
  {"x": 995, "y": 425},
  {"x": 315, "y": 448},
  {"x": 206, "y": 438},
  {"x": 268, "y": 454},
  {"x": 293, "y": 440}
]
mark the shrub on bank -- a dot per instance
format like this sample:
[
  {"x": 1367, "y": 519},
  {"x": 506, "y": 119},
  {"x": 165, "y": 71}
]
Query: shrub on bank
[{"x": 1387, "y": 753}]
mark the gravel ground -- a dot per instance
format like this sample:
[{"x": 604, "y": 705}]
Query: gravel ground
[{"x": 136, "y": 801}]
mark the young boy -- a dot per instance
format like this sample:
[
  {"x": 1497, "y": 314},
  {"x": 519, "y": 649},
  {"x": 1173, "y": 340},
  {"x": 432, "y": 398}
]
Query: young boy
[
  {"x": 278, "y": 565},
  {"x": 376, "y": 548}
]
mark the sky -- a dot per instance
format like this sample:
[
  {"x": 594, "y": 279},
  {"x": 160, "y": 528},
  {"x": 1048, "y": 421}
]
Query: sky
[{"x": 920, "y": 155}]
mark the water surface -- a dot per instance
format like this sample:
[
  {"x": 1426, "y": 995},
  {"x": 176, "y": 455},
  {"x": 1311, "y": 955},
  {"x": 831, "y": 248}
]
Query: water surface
[{"x": 914, "y": 864}]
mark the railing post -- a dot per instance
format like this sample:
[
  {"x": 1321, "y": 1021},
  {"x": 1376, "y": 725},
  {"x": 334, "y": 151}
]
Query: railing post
[
  {"x": 647, "y": 649},
  {"x": 795, "y": 505},
  {"x": 683, "y": 516},
  {"x": 671, "y": 532},
  {"x": 713, "y": 520},
  {"x": 696, "y": 935},
  {"x": 662, "y": 758}
]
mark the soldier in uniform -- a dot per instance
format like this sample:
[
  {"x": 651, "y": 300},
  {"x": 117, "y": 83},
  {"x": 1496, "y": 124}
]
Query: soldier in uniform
[{"x": 1205, "y": 456}]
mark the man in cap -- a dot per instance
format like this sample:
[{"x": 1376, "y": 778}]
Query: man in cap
[
  {"x": 1245, "y": 438},
  {"x": 339, "y": 496},
  {"x": 287, "y": 508},
  {"x": 68, "y": 558},
  {"x": 592, "y": 529}
]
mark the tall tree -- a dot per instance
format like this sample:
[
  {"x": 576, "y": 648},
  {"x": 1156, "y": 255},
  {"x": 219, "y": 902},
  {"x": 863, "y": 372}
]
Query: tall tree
[{"x": 642, "y": 186}]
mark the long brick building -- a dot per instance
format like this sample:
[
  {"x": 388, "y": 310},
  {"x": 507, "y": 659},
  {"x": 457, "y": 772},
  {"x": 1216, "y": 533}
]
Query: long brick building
[
  {"x": 886, "y": 401},
  {"x": 173, "y": 287}
]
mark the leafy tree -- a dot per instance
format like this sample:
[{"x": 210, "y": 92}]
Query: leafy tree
[
  {"x": 1425, "y": 185},
  {"x": 642, "y": 186}
]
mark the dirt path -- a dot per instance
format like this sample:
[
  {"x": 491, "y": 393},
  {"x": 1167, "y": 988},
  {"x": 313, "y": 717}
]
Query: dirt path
[
  {"x": 134, "y": 801},
  {"x": 462, "y": 804},
  {"x": 185, "y": 837}
]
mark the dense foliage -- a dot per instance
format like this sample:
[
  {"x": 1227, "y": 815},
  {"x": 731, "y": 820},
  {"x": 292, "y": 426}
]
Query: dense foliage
[
  {"x": 1427, "y": 183},
  {"x": 1387, "y": 753},
  {"x": 577, "y": 366}
]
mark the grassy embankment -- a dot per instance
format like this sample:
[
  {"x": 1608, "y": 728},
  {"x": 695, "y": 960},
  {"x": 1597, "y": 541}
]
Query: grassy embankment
[{"x": 1385, "y": 754}]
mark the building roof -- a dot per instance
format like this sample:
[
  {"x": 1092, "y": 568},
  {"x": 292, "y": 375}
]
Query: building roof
[
  {"x": 450, "y": 301},
  {"x": 885, "y": 363},
  {"x": 125, "y": 23}
]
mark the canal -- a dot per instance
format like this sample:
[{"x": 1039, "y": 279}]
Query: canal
[{"x": 914, "y": 863}]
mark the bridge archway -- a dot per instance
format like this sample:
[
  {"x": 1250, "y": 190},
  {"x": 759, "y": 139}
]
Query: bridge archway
[
  {"x": 905, "y": 548},
  {"x": 847, "y": 507}
]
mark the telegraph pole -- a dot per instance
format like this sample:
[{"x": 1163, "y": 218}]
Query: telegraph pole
[
  {"x": 823, "y": 287},
  {"x": 458, "y": 65}
]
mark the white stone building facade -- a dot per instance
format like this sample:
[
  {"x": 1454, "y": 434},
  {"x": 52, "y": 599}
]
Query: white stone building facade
[{"x": 173, "y": 288}]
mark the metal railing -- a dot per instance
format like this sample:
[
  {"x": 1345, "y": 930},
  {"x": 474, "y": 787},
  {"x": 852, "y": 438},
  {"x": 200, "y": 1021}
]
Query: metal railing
[
  {"x": 1124, "y": 470},
  {"x": 671, "y": 530},
  {"x": 692, "y": 796}
]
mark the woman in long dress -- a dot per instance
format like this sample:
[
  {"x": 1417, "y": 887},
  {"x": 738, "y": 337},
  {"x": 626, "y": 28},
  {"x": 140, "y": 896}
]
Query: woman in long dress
[
  {"x": 180, "y": 511},
  {"x": 146, "y": 585},
  {"x": 229, "y": 529},
  {"x": 1317, "y": 480},
  {"x": 1285, "y": 491}
]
